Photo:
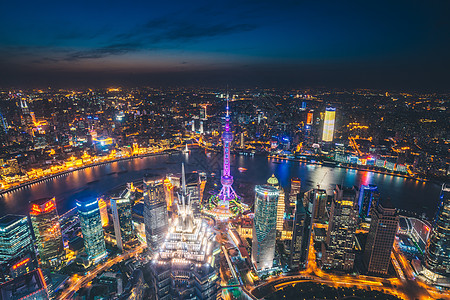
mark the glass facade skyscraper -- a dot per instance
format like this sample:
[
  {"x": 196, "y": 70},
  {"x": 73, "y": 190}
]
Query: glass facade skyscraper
[
  {"x": 300, "y": 237},
  {"x": 368, "y": 197},
  {"x": 341, "y": 230},
  {"x": 91, "y": 228},
  {"x": 15, "y": 237},
  {"x": 328, "y": 124},
  {"x": 123, "y": 223},
  {"x": 155, "y": 212},
  {"x": 264, "y": 226},
  {"x": 45, "y": 221},
  {"x": 437, "y": 252}
]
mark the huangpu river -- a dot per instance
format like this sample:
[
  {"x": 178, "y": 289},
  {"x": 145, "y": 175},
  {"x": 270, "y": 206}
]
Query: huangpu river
[{"x": 405, "y": 194}]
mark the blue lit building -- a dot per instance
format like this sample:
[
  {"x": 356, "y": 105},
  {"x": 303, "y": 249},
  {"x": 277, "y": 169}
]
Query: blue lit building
[
  {"x": 368, "y": 196},
  {"x": 15, "y": 237},
  {"x": 91, "y": 227},
  {"x": 437, "y": 252},
  {"x": 264, "y": 226}
]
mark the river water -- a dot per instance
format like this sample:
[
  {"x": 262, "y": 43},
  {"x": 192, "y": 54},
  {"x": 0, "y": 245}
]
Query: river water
[{"x": 406, "y": 194}]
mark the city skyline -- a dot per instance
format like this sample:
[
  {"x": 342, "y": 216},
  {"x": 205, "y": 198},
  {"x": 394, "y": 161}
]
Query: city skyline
[{"x": 224, "y": 150}]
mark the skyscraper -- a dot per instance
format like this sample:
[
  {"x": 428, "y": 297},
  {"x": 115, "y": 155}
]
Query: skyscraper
[
  {"x": 155, "y": 212},
  {"x": 123, "y": 223},
  {"x": 368, "y": 196},
  {"x": 300, "y": 237},
  {"x": 328, "y": 124},
  {"x": 226, "y": 193},
  {"x": 295, "y": 189},
  {"x": 383, "y": 228},
  {"x": 91, "y": 228},
  {"x": 437, "y": 252},
  {"x": 103, "y": 212},
  {"x": 341, "y": 230},
  {"x": 273, "y": 181},
  {"x": 47, "y": 230},
  {"x": 15, "y": 237},
  {"x": 264, "y": 226},
  {"x": 315, "y": 201}
]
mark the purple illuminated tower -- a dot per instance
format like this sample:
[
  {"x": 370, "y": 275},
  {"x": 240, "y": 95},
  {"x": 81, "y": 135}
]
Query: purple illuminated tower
[{"x": 226, "y": 193}]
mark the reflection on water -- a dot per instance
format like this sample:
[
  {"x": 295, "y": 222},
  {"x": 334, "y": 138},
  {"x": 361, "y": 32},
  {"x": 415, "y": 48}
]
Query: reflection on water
[{"x": 404, "y": 193}]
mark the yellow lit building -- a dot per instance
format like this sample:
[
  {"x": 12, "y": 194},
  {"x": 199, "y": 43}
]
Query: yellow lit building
[
  {"x": 328, "y": 124},
  {"x": 103, "y": 212}
]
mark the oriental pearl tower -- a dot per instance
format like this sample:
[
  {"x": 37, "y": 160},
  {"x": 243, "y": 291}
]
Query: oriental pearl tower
[{"x": 226, "y": 193}]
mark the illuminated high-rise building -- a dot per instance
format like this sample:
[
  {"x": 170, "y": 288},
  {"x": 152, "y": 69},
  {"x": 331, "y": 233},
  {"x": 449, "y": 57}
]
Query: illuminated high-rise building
[
  {"x": 315, "y": 201},
  {"x": 186, "y": 264},
  {"x": 296, "y": 184},
  {"x": 368, "y": 197},
  {"x": 437, "y": 251},
  {"x": 328, "y": 124},
  {"x": 273, "y": 181},
  {"x": 155, "y": 212},
  {"x": 341, "y": 230},
  {"x": 300, "y": 237},
  {"x": 309, "y": 117},
  {"x": 15, "y": 237},
  {"x": 123, "y": 223},
  {"x": 103, "y": 212},
  {"x": 91, "y": 228},
  {"x": 264, "y": 226},
  {"x": 47, "y": 231},
  {"x": 383, "y": 228}
]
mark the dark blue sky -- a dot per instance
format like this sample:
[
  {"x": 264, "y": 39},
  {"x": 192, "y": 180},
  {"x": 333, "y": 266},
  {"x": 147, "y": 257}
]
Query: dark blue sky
[{"x": 386, "y": 44}]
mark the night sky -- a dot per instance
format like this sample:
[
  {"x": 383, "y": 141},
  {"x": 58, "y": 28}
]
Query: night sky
[{"x": 367, "y": 44}]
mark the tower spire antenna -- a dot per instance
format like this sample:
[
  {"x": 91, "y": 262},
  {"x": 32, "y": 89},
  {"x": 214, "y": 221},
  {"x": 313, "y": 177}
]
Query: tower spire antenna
[
  {"x": 183, "y": 180},
  {"x": 228, "y": 103}
]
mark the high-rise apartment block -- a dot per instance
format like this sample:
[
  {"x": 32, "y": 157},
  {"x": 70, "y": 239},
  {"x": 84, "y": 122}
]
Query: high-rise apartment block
[{"x": 383, "y": 228}]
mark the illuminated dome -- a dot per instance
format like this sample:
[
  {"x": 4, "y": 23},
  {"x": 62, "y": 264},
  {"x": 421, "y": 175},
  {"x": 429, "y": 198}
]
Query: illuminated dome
[{"x": 273, "y": 181}]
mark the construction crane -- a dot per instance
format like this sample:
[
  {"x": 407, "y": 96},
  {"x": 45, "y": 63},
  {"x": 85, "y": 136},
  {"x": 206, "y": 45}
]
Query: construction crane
[{"x": 319, "y": 183}]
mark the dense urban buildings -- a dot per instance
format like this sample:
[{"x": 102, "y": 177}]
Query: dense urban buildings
[
  {"x": 185, "y": 265},
  {"x": 264, "y": 226},
  {"x": 91, "y": 228},
  {"x": 380, "y": 240},
  {"x": 155, "y": 212},
  {"x": 47, "y": 231}
]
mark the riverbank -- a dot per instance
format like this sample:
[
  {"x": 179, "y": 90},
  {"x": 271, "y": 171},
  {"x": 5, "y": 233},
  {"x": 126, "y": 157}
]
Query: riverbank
[
  {"x": 347, "y": 166},
  {"x": 64, "y": 173}
]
